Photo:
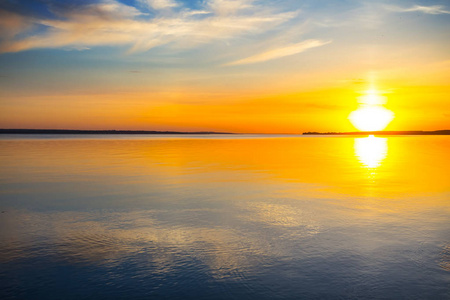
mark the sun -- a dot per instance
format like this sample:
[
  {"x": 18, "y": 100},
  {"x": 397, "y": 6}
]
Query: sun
[
  {"x": 371, "y": 114},
  {"x": 371, "y": 118}
]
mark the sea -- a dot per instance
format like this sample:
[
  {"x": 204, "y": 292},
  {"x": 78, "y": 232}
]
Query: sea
[{"x": 224, "y": 217}]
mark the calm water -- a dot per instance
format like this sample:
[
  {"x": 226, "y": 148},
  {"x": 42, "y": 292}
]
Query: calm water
[{"x": 224, "y": 217}]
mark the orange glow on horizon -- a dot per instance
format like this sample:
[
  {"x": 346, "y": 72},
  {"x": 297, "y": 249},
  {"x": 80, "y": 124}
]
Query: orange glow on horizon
[{"x": 289, "y": 112}]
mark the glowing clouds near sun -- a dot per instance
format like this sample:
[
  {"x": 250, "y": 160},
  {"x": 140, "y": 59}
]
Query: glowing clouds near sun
[{"x": 371, "y": 115}]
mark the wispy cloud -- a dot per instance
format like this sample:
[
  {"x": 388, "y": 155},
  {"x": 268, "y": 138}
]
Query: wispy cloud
[
  {"x": 280, "y": 52},
  {"x": 160, "y": 4},
  {"x": 11, "y": 24},
  {"x": 229, "y": 7},
  {"x": 113, "y": 23},
  {"x": 432, "y": 10}
]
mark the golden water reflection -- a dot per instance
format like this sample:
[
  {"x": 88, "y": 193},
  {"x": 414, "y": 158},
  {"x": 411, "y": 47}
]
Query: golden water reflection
[
  {"x": 185, "y": 210},
  {"x": 371, "y": 151},
  {"x": 403, "y": 165}
]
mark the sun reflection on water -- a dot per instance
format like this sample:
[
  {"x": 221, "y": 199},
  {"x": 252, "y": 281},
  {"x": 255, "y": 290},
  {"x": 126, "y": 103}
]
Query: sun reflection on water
[{"x": 371, "y": 151}]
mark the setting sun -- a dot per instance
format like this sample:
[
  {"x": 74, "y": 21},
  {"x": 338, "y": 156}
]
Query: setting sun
[
  {"x": 371, "y": 118},
  {"x": 371, "y": 115}
]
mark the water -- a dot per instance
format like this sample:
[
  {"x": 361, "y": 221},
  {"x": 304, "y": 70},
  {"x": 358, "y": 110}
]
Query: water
[{"x": 224, "y": 217}]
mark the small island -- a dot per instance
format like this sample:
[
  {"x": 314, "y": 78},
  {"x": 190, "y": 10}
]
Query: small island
[{"x": 414, "y": 132}]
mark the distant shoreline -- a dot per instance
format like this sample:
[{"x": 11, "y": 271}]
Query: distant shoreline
[
  {"x": 416, "y": 132},
  {"x": 151, "y": 132},
  {"x": 74, "y": 131}
]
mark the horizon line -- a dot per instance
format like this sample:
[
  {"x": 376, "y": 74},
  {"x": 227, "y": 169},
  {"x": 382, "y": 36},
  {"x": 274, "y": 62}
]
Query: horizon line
[{"x": 121, "y": 131}]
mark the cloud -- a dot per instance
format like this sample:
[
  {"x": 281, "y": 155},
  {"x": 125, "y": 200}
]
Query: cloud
[
  {"x": 432, "y": 10},
  {"x": 160, "y": 4},
  {"x": 229, "y": 7},
  {"x": 280, "y": 52},
  {"x": 11, "y": 24},
  {"x": 110, "y": 23}
]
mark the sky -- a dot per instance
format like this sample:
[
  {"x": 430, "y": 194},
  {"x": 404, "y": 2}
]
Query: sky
[{"x": 280, "y": 66}]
